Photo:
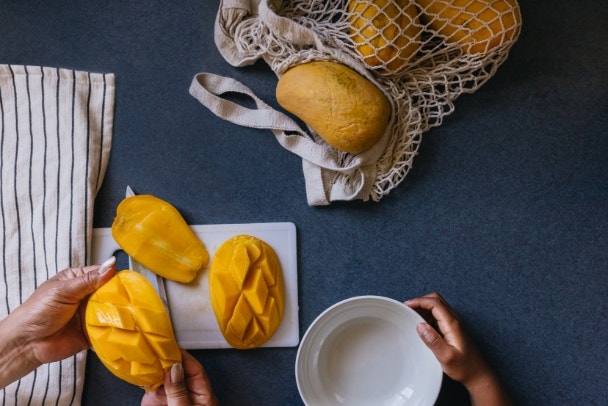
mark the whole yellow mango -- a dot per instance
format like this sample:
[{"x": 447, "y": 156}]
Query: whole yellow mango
[
  {"x": 154, "y": 233},
  {"x": 247, "y": 292},
  {"x": 344, "y": 108},
  {"x": 479, "y": 26},
  {"x": 130, "y": 330},
  {"x": 386, "y": 33}
]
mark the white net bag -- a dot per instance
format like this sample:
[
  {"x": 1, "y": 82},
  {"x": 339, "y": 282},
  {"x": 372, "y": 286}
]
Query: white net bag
[{"x": 421, "y": 54}]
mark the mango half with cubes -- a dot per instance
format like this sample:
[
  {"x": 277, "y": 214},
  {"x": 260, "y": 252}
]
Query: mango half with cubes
[
  {"x": 155, "y": 234},
  {"x": 130, "y": 330},
  {"x": 247, "y": 291}
]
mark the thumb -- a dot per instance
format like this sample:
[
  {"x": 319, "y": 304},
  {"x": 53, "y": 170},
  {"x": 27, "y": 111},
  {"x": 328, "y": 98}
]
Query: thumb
[
  {"x": 175, "y": 387},
  {"x": 78, "y": 283},
  {"x": 433, "y": 340}
]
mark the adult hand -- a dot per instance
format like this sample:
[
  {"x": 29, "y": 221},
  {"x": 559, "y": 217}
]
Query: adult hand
[
  {"x": 456, "y": 352},
  {"x": 186, "y": 384},
  {"x": 52, "y": 318},
  {"x": 48, "y": 326}
]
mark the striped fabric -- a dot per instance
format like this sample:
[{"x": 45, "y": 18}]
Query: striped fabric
[{"x": 55, "y": 140}]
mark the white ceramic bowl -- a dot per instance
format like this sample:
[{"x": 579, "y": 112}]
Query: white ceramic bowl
[{"x": 365, "y": 351}]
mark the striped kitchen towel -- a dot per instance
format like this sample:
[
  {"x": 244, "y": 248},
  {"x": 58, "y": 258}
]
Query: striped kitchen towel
[{"x": 55, "y": 139}]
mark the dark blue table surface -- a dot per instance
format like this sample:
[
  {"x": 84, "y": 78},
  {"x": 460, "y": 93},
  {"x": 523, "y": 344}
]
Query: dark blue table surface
[{"x": 505, "y": 211}]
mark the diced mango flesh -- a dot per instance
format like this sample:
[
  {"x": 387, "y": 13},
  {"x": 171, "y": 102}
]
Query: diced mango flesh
[
  {"x": 256, "y": 292},
  {"x": 131, "y": 331},
  {"x": 247, "y": 291}
]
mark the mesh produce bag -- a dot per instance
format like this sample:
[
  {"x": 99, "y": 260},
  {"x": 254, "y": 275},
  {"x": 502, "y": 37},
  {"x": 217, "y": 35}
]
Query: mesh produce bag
[{"x": 422, "y": 54}]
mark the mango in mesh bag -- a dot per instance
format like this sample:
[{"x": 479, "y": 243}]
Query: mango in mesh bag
[
  {"x": 386, "y": 33},
  {"x": 478, "y": 26},
  {"x": 130, "y": 330},
  {"x": 153, "y": 232},
  {"x": 247, "y": 291}
]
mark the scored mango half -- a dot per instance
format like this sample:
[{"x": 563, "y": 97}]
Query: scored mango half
[
  {"x": 130, "y": 330},
  {"x": 247, "y": 291},
  {"x": 154, "y": 233}
]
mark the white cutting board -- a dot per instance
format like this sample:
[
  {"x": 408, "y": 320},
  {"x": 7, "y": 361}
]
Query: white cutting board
[{"x": 190, "y": 306}]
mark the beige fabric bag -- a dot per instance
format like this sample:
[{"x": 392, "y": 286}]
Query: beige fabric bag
[
  {"x": 436, "y": 52},
  {"x": 55, "y": 140}
]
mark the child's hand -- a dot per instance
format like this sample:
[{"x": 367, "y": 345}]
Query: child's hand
[{"x": 459, "y": 357}]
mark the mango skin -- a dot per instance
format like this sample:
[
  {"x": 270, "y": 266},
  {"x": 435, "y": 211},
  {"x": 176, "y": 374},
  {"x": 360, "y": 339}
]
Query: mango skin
[
  {"x": 247, "y": 291},
  {"x": 386, "y": 33},
  {"x": 344, "y": 108},
  {"x": 479, "y": 26},
  {"x": 153, "y": 232},
  {"x": 130, "y": 330}
]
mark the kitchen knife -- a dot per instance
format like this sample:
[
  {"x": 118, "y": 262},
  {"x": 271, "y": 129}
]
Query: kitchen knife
[{"x": 156, "y": 280}]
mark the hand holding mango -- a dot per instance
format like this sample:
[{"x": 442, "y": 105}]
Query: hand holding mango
[
  {"x": 130, "y": 330},
  {"x": 126, "y": 321},
  {"x": 49, "y": 325}
]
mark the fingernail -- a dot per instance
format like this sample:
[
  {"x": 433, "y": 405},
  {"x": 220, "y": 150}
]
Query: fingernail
[
  {"x": 105, "y": 267},
  {"x": 177, "y": 373},
  {"x": 424, "y": 330}
]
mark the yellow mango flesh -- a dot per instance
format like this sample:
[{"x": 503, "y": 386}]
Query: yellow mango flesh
[
  {"x": 130, "y": 330},
  {"x": 154, "y": 233},
  {"x": 344, "y": 108},
  {"x": 386, "y": 33},
  {"x": 480, "y": 26},
  {"x": 247, "y": 291}
]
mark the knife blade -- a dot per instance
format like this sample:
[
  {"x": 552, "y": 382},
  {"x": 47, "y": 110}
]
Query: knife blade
[{"x": 156, "y": 280}]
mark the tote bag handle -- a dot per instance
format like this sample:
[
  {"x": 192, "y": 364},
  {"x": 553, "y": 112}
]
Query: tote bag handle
[{"x": 327, "y": 176}]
